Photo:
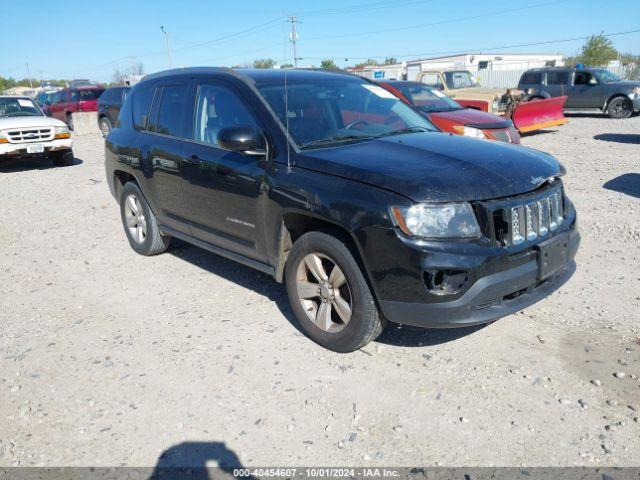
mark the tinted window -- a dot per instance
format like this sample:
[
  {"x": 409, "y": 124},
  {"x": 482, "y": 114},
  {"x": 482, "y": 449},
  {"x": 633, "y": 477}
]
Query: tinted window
[
  {"x": 558, "y": 78},
  {"x": 531, "y": 78},
  {"x": 92, "y": 94},
  {"x": 140, "y": 106},
  {"x": 110, "y": 95},
  {"x": 217, "y": 108},
  {"x": 171, "y": 118},
  {"x": 582, "y": 78}
]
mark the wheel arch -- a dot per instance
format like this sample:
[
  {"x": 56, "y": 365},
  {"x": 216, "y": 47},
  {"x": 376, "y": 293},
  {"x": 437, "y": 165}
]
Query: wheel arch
[
  {"x": 295, "y": 224},
  {"x": 614, "y": 96},
  {"x": 120, "y": 178}
]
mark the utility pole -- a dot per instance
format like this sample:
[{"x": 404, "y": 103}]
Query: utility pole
[
  {"x": 29, "y": 73},
  {"x": 166, "y": 35},
  {"x": 294, "y": 37}
]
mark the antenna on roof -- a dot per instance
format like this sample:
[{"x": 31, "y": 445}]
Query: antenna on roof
[{"x": 286, "y": 93}]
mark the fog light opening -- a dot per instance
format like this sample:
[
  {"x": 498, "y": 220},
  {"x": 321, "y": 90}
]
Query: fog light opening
[{"x": 445, "y": 282}]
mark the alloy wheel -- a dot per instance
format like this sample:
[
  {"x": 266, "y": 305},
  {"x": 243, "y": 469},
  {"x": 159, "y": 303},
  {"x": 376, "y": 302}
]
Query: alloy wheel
[
  {"x": 135, "y": 219},
  {"x": 324, "y": 292}
]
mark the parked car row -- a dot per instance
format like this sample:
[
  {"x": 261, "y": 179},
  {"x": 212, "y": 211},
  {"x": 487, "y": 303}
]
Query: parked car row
[{"x": 340, "y": 189}]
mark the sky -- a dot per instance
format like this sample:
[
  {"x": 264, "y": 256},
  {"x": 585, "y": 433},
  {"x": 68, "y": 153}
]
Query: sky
[{"x": 79, "y": 39}]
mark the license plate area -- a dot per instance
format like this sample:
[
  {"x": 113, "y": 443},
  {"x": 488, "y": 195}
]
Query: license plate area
[
  {"x": 35, "y": 148},
  {"x": 553, "y": 255}
]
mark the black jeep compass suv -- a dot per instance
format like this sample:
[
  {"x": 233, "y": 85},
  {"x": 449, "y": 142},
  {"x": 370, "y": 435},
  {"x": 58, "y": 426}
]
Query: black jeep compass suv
[{"x": 350, "y": 196}]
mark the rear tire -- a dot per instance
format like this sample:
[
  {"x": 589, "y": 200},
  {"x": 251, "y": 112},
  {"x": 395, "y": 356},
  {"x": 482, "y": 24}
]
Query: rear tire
[
  {"x": 620, "y": 107},
  {"x": 105, "y": 126},
  {"x": 140, "y": 223},
  {"x": 64, "y": 158},
  {"x": 321, "y": 305}
]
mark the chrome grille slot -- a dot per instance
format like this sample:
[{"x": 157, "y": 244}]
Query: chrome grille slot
[
  {"x": 527, "y": 217},
  {"x": 30, "y": 135}
]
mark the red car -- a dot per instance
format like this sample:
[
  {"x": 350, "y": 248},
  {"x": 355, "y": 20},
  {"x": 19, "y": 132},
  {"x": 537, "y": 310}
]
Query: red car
[
  {"x": 449, "y": 116},
  {"x": 70, "y": 100}
]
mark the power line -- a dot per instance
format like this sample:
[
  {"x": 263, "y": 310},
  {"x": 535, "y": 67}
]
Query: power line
[
  {"x": 488, "y": 49},
  {"x": 442, "y": 22}
]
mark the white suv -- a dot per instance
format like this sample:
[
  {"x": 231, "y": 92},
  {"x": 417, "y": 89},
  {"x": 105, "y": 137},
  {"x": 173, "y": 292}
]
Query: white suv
[{"x": 26, "y": 132}]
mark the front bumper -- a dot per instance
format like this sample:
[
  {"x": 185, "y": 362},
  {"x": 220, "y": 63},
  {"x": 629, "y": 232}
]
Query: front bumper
[
  {"x": 636, "y": 103},
  {"x": 500, "y": 282},
  {"x": 15, "y": 151}
]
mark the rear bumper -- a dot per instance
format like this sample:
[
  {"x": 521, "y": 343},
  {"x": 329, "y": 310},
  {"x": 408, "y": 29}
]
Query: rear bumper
[{"x": 491, "y": 297}]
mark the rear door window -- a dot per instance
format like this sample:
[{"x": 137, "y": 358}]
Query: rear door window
[
  {"x": 558, "y": 78},
  {"x": 531, "y": 78},
  {"x": 172, "y": 119}
]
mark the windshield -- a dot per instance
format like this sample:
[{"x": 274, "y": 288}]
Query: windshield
[
  {"x": 606, "y": 76},
  {"x": 461, "y": 79},
  {"x": 329, "y": 111},
  {"x": 427, "y": 99},
  {"x": 18, "y": 107}
]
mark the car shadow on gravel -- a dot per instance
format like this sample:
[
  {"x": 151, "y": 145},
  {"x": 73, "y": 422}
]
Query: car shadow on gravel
[
  {"x": 237, "y": 273},
  {"x": 28, "y": 165},
  {"x": 408, "y": 336},
  {"x": 189, "y": 460},
  {"x": 628, "y": 183},
  {"x": 632, "y": 138},
  {"x": 263, "y": 284}
]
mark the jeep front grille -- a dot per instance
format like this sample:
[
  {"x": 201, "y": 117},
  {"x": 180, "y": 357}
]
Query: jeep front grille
[
  {"x": 526, "y": 218},
  {"x": 30, "y": 135}
]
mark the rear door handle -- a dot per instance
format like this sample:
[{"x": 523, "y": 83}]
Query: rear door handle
[{"x": 193, "y": 160}]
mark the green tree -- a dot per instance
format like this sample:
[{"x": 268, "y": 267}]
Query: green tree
[
  {"x": 328, "y": 65},
  {"x": 597, "y": 51},
  {"x": 390, "y": 61},
  {"x": 264, "y": 63}
]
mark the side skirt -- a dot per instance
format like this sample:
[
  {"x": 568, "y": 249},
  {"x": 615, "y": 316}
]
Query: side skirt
[{"x": 249, "y": 262}]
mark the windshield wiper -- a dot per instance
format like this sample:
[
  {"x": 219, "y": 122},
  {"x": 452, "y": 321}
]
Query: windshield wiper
[
  {"x": 400, "y": 131},
  {"x": 335, "y": 139}
]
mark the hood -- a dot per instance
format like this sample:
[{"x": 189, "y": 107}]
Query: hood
[
  {"x": 471, "y": 116},
  {"x": 27, "y": 122},
  {"x": 630, "y": 84},
  {"x": 437, "y": 167},
  {"x": 474, "y": 92}
]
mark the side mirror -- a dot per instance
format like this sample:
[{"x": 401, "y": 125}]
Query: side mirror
[{"x": 243, "y": 139}]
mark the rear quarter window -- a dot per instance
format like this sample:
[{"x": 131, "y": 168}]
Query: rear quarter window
[{"x": 140, "y": 106}]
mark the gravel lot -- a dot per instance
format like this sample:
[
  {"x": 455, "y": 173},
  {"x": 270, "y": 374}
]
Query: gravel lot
[{"x": 111, "y": 358}]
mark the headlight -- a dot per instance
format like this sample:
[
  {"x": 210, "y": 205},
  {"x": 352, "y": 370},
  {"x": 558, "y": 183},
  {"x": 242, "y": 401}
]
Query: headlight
[
  {"x": 496, "y": 104},
  {"x": 470, "y": 132},
  {"x": 637, "y": 91},
  {"x": 432, "y": 220},
  {"x": 62, "y": 132}
]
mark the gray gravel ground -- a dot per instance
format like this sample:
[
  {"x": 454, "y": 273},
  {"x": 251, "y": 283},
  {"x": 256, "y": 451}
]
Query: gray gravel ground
[{"x": 110, "y": 358}]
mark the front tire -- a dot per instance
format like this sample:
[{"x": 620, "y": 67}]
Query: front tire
[
  {"x": 620, "y": 107},
  {"x": 64, "y": 158},
  {"x": 329, "y": 294},
  {"x": 140, "y": 223},
  {"x": 105, "y": 126}
]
